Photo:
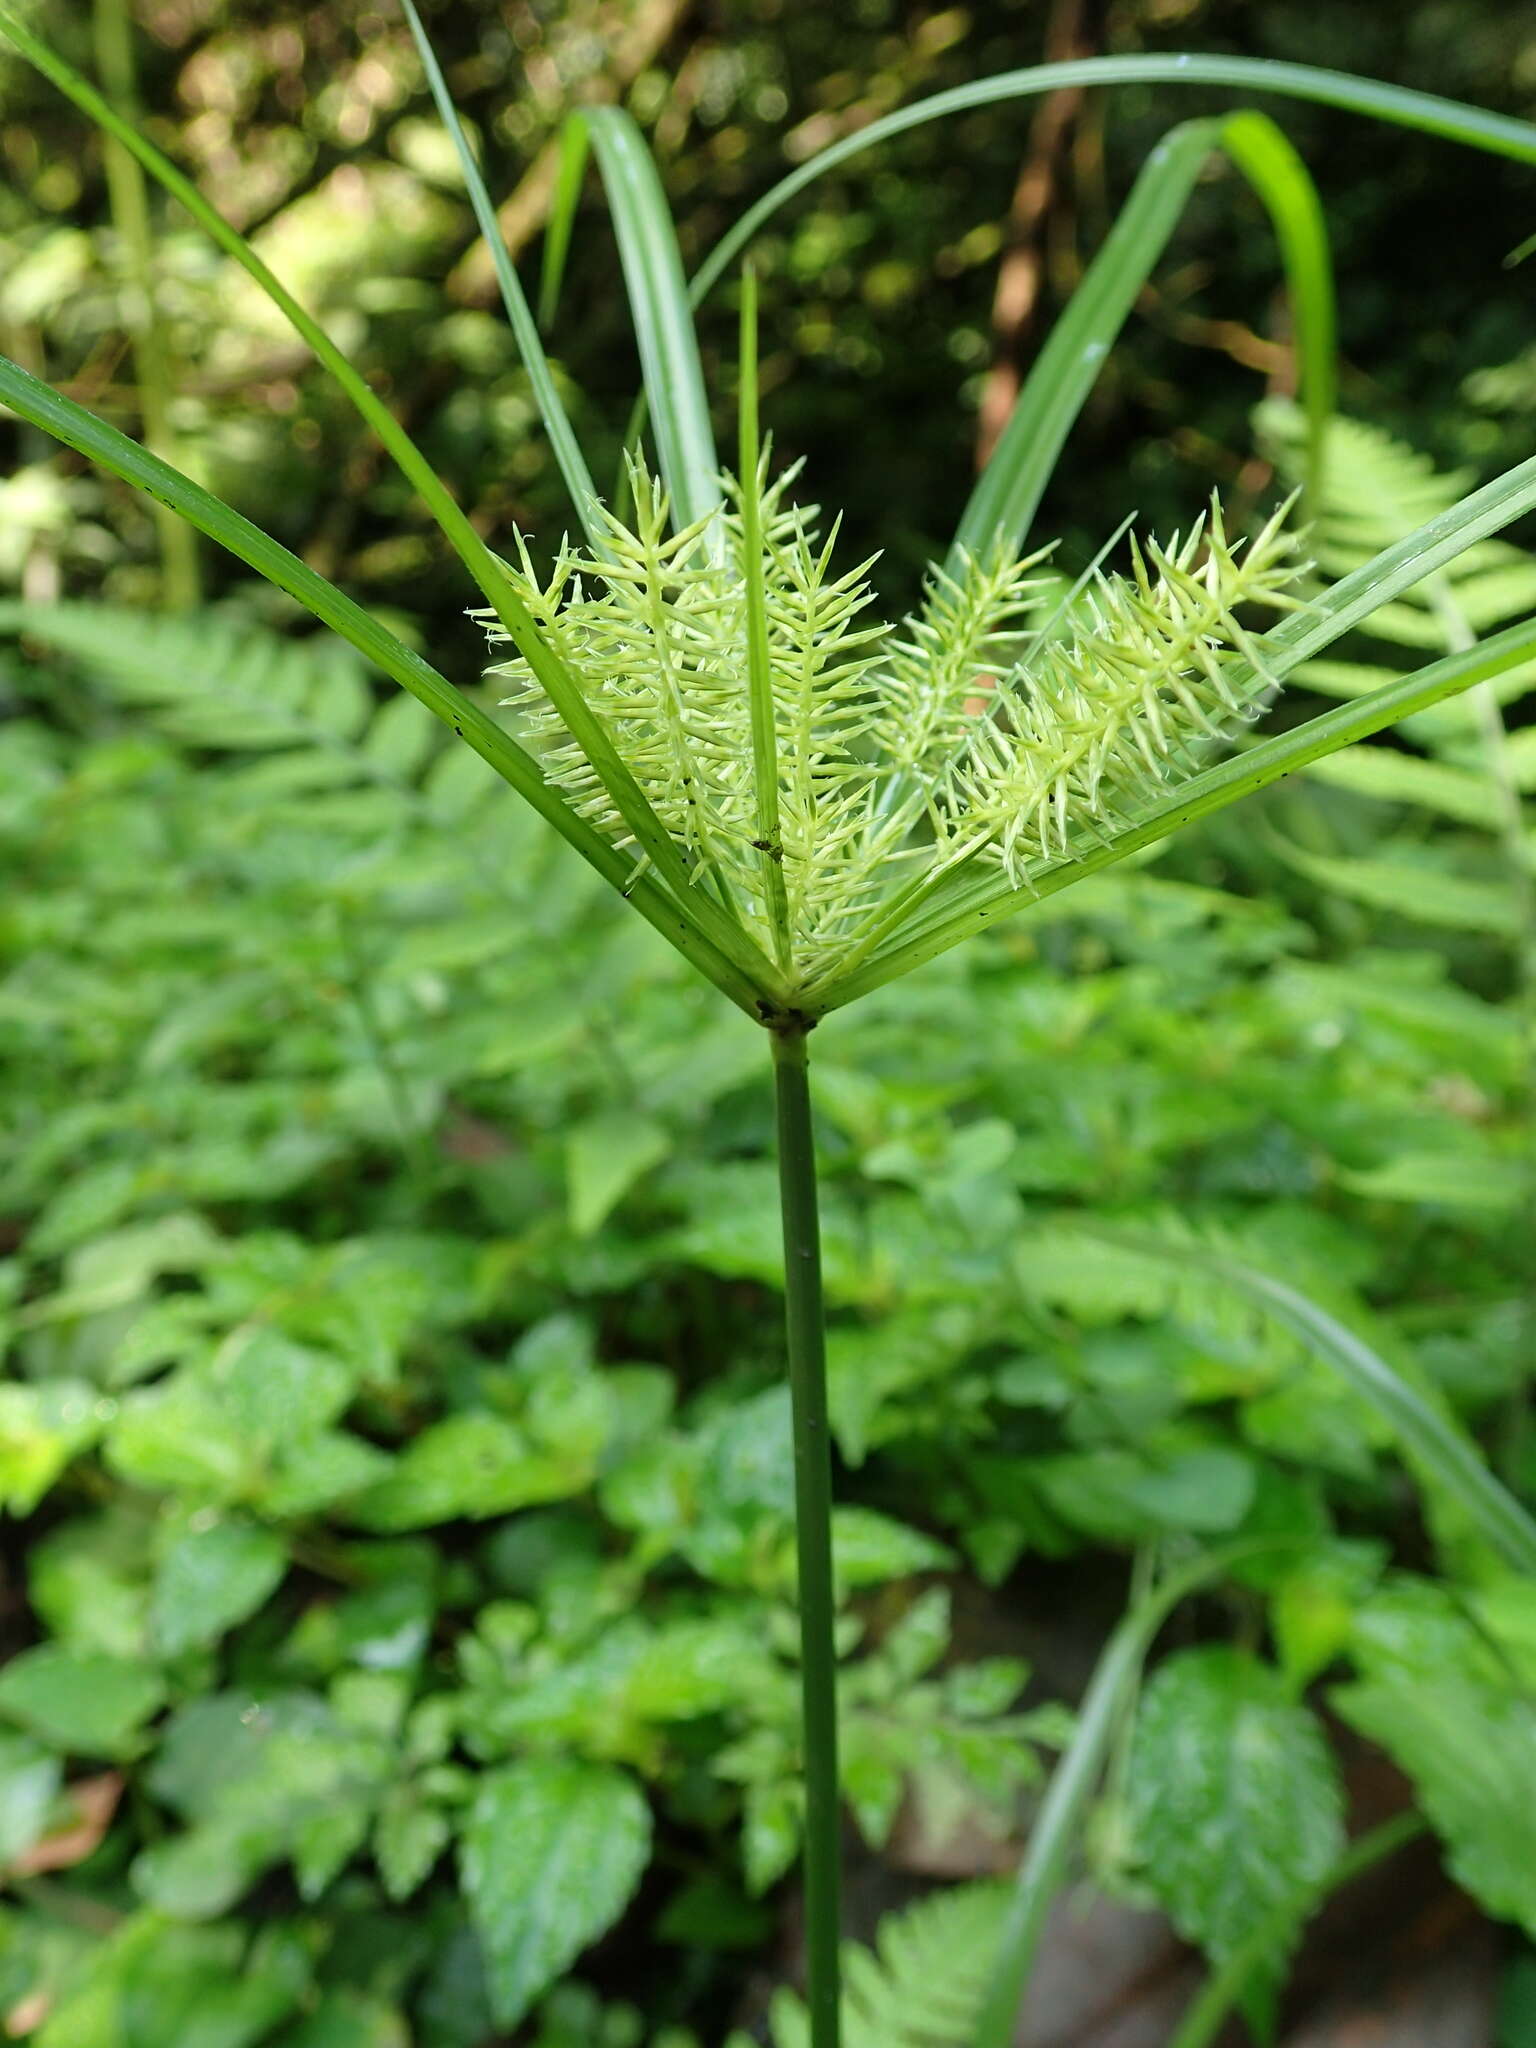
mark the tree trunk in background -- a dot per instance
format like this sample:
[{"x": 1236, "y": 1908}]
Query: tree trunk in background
[{"x": 1074, "y": 29}]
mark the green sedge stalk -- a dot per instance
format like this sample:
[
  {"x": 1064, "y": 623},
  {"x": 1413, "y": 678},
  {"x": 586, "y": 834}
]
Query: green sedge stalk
[{"x": 806, "y": 1337}]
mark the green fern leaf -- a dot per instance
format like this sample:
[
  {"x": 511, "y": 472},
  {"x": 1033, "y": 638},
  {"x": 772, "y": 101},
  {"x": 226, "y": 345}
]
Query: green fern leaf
[
  {"x": 209, "y": 681},
  {"x": 923, "y": 1983},
  {"x": 1377, "y": 491}
]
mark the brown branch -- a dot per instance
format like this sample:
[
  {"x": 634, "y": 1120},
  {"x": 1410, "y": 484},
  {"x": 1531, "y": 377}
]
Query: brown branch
[{"x": 1020, "y": 274}]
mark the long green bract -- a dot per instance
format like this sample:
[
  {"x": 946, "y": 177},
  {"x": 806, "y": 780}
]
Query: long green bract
[
  {"x": 562, "y": 439},
  {"x": 765, "y": 741},
  {"x": 662, "y": 316},
  {"x": 974, "y": 897},
  {"x": 1270, "y": 162},
  {"x": 1002, "y": 507},
  {"x": 562, "y": 216},
  {"x": 1499, "y": 134},
  {"x": 81, "y": 430}
]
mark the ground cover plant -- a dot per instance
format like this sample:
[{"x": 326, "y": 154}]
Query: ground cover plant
[{"x": 807, "y": 809}]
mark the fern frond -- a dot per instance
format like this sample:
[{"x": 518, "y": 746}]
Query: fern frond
[
  {"x": 209, "y": 681},
  {"x": 1376, "y": 491},
  {"x": 923, "y": 1984}
]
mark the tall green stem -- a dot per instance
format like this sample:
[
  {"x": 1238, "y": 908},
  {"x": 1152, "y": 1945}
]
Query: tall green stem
[
  {"x": 129, "y": 201},
  {"x": 813, "y": 1528}
]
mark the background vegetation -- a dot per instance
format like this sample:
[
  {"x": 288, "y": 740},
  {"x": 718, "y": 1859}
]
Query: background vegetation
[{"x": 394, "y": 1436}]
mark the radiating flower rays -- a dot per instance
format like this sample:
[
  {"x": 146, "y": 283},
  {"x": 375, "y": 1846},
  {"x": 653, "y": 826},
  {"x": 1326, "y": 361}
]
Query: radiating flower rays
[{"x": 989, "y": 725}]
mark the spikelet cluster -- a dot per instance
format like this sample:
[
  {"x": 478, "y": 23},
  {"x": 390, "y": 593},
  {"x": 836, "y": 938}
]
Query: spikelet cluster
[
  {"x": 1141, "y": 688},
  {"x": 978, "y": 728}
]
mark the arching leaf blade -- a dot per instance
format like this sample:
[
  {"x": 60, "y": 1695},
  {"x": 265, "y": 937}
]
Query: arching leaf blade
[
  {"x": 1002, "y": 507},
  {"x": 1437, "y": 1445},
  {"x": 1498, "y": 134},
  {"x": 662, "y": 315},
  {"x": 1268, "y": 159},
  {"x": 562, "y": 438},
  {"x": 563, "y": 203},
  {"x": 1060, "y": 1818}
]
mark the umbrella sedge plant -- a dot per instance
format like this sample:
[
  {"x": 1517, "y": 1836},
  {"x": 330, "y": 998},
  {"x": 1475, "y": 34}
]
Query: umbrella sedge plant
[{"x": 807, "y": 803}]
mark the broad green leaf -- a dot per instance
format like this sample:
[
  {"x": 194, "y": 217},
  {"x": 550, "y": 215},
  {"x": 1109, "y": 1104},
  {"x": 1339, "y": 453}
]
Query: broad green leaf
[
  {"x": 1122, "y": 1495},
  {"x": 1054, "y": 1833},
  {"x": 83, "y": 1704},
  {"x": 771, "y": 1827},
  {"x": 408, "y": 1838},
  {"x": 261, "y": 1776},
  {"x": 1312, "y": 1609},
  {"x": 179, "y": 1438},
  {"x": 273, "y": 1389},
  {"x": 1459, "y": 1179},
  {"x": 347, "y": 2019},
  {"x": 317, "y": 1470},
  {"x": 473, "y": 1465},
  {"x": 202, "y": 1874},
  {"x": 211, "y": 1577},
  {"x": 42, "y": 1427},
  {"x": 30, "y": 1776},
  {"x": 604, "y": 1157},
  {"x": 1235, "y": 1804},
  {"x": 870, "y": 1548},
  {"x": 1453, "y": 1714},
  {"x": 225, "y": 1739},
  {"x": 551, "y": 1856},
  {"x": 148, "y": 1984},
  {"x": 88, "y": 1581}
]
